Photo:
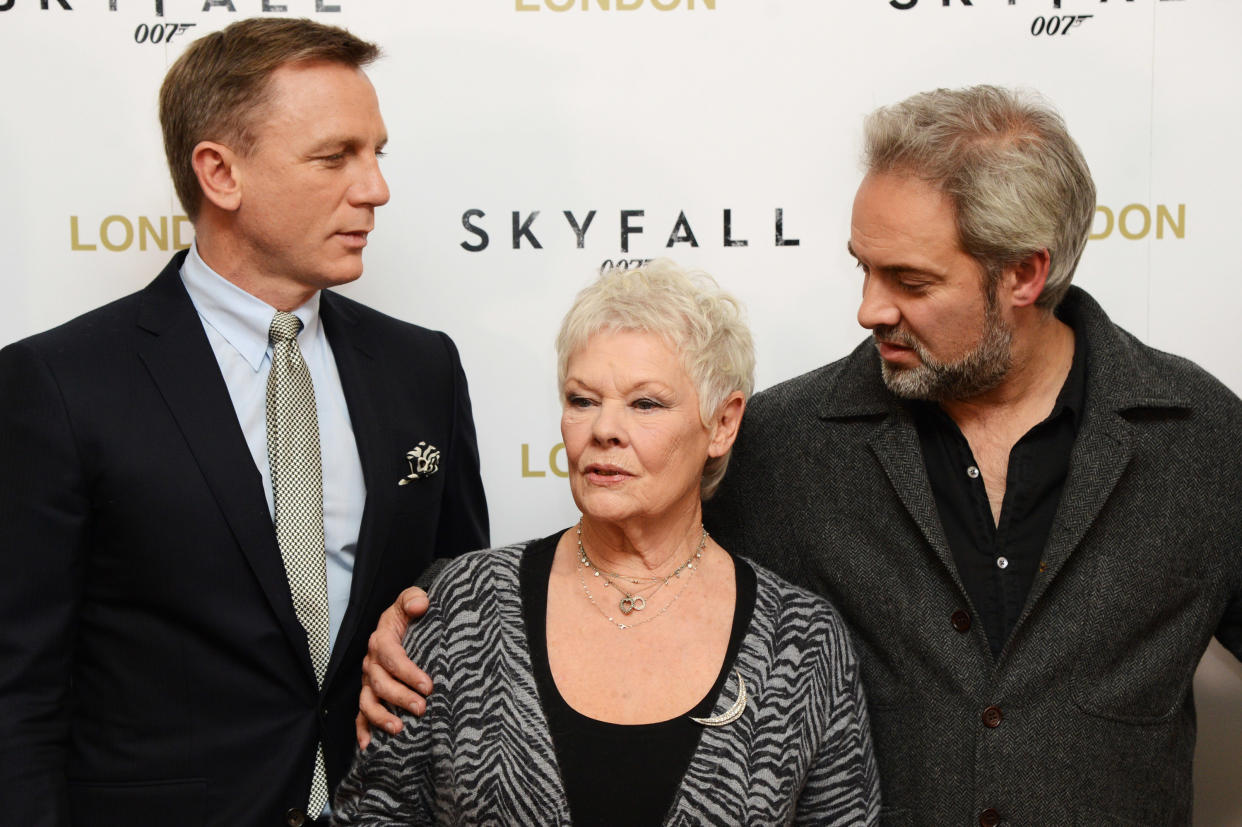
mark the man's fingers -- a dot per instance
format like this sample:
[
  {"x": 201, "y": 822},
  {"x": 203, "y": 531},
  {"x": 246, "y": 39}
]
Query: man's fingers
[
  {"x": 362, "y": 731},
  {"x": 372, "y": 713},
  {"x": 414, "y": 602}
]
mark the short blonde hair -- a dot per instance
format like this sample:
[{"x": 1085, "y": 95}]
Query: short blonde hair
[{"x": 702, "y": 324}]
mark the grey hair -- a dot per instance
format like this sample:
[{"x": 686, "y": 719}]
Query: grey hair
[
  {"x": 1017, "y": 179},
  {"x": 702, "y": 324}
]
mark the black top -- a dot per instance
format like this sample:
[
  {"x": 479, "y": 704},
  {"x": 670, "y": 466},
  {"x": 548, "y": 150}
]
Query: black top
[
  {"x": 618, "y": 774},
  {"x": 997, "y": 562}
]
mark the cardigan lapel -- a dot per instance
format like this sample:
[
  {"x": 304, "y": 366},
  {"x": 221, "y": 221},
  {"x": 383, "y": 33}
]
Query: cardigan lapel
[{"x": 181, "y": 363}]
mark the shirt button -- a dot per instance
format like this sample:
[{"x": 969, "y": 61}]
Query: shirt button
[
  {"x": 960, "y": 620},
  {"x": 1002, "y": 562},
  {"x": 989, "y": 817},
  {"x": 973, "y": 472},
  {"x": 295, "y": 817},
  {"x": 992, "y": 717}
]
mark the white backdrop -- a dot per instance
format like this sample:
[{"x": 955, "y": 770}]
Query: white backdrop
[{"x": 659, "y": 108}]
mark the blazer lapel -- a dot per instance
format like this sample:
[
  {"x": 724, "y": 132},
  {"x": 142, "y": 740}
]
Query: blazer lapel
[
  {"x": 356, "y": 362},
  {"x": 859, "y": 393},
  {"x": 181, "y": 363},
  {"x": 1116, "y": 382}
]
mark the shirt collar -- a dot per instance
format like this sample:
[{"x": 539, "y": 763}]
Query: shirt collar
[
  {"x": 242, "y": 319},
  {"x": 1073, "y": 395}
]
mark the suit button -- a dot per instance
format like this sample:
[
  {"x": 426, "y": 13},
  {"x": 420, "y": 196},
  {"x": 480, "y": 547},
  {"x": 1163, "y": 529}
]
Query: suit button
[
  {"x": 960, "y": 620},
  {"x": 295, "y": 817},
  {"x": 989, "y": 817},
  {"x": 992, "y": 717}
]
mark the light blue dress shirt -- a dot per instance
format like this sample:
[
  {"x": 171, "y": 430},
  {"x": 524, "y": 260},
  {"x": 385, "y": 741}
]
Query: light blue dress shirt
[{"x": 236, "y": 324}]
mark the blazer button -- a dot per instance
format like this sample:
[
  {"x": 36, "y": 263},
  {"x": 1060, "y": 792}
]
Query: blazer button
[
  {"x": 295, "y": 817},
  {"x": 992, "y": 717},
  {"x": 960, "y": 620},
  {"x": 989, "y": 818}
]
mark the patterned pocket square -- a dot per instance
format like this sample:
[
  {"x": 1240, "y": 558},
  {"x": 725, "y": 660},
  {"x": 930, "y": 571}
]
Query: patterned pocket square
[{"x": 424, "y": 461}]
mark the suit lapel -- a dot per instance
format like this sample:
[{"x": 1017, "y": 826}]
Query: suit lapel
[
  {"x": 859, "y": 393},
  {"x": 181, "y": 363},
  {"x": 360, "y": 374},
  {"x": 896, "y": 446}
]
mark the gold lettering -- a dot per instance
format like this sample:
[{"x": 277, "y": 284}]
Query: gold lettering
[
  {"x": 73, "y": 236},
  {"x": 129, "y": 233},
  {"x": 145, "y": 228},
  {"x": 526, "y": 472},
  {"x": 1129, "y": 209},
  {"x": 605, "y": 5},
  {"x": 178, "y": 244},
  {"x": 707, "y": 4},
  {"x": 628, "y": 5},
  {"x": 666, "y": 5},
  {"x": 522, "y": 5},
  {"x": 1163, "y": 216},
  {"x": 558, "y": 448},
  {"x": 565, "y": 5},
  {"x": 1108, "y": 224}
]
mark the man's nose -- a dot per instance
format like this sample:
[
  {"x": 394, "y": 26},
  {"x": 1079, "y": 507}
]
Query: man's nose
[{"x": 877, "y": 308}]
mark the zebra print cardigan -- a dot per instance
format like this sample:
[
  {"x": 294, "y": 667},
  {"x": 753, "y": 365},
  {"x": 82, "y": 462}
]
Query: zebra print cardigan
[{"x": 482, "y": 754}]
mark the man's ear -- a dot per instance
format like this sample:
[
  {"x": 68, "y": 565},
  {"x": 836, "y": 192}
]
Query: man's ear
[
  {"x": 1027, "y": 278},
  {"x": 219, "y": 175},
  {"x": 724, "y": 428}
]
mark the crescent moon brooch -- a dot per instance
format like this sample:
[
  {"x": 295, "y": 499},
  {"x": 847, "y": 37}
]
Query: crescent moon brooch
[{"x": 732, "y": 713}]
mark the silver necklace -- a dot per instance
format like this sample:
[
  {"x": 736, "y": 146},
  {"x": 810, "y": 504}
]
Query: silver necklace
[{"x": 635, "y": 601}]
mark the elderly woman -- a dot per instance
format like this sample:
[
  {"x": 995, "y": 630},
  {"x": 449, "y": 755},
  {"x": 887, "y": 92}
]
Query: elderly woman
[{"x": 628, "y": 670}]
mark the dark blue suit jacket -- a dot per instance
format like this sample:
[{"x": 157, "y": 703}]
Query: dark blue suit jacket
[{"x": 152, "y": 670}]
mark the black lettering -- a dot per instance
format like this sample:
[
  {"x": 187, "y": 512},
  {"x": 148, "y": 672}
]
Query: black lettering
[
  {"x": 682, "y": 232},
  {"x": 627, "y": 229},
  {"x": 474, "y": 246},
  {"x": 523, "y": 229},
  {"x": 319, "y": 6},
  {"x": 908, "y": 4},
  {"x": 729, "y": 241},
  {"x": 580, "y": 232},
  {"x": 781, "y": 241},
  {"x": 267, "y": 6},
  {"x": 64, "y": 4},
  {"x": 7, "y": 4},
  {"x": 159, "y": 7},
  {"x": 228, "y": 4}
]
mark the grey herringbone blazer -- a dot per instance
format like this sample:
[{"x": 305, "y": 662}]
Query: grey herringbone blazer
[{"x": 1091, "y": 719}]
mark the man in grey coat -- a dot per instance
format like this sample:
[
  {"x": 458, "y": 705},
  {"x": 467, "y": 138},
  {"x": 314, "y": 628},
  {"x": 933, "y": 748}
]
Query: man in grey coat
[{"x": 1030, "y": 520}]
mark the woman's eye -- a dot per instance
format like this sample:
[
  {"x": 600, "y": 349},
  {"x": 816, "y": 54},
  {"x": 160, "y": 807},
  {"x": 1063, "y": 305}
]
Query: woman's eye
[
  {"x": 577, "y": 401},
  {"x": 647, "y": 404}
]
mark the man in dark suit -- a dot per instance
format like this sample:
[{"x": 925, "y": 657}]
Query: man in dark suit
[
  {"x": 1030, "y": 520},
  {"x": 211, "y": 488}
]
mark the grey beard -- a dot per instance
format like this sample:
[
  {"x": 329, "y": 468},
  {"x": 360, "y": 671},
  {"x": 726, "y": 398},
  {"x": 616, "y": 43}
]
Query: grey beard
[{"x": 977, "y": 372}]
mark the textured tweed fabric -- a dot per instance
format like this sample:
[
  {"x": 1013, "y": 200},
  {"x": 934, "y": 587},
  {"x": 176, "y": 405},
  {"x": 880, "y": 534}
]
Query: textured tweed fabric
[{"x": 1086, "y": 716}]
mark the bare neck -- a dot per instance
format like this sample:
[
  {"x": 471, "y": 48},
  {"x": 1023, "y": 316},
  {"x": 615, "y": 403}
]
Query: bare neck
[
  {"x": 223, "y": 253},
  {"x": 648, "y": 544}
]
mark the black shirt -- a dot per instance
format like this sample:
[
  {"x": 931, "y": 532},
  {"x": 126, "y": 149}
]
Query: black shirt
[
  {"x": 618, "y": 774},
  {"x": 998, "y": 562}
]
